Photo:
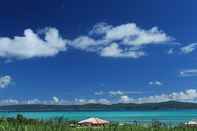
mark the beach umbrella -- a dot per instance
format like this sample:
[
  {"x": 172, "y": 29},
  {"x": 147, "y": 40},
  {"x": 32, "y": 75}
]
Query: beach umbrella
[
  {"x": 94, "y": 121},
  {"x": 193, "y": 122}
]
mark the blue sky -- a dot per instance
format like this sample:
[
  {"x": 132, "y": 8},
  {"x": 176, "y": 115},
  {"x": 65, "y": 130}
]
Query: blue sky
[{"x": 75, "y": 52}]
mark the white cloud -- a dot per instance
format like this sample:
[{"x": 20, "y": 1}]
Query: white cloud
[
  {"x": 155, "y": 83},
  {"x": 189, "y": 48},
  {"x": 122, "y": 93},
  {"x": 188, "y": 73},
  {"x": 33, "y": 101},
  {"x": 116, "y": 93},
  {"x": 5, "y": 81},
  {"x": 80, "y": 101},
  {"x": 131, "y": 34},
  {"x": 170, "y": 51},
  {"x": 55, "y": 99},
  {"x": 85, "y": 101},
  {"x": 92, "y": 101},
  {"x": 123, "y": 41},
  {"x": 152, "y": 36},
  {"x": 9, "y": 102},
  {"x": 83, "y": 42},
  {"x": 104, "y": 101},
  {"x": 189, "y": 95},
  {"x": 125, "y": 99},
  {"x": 100, "y": 29},
  {"x": 32, "y": 45},
  {"x": 99, "y": 93},
  {"x": 114, "y": 50},
  {"x": 122, "y": 31}
]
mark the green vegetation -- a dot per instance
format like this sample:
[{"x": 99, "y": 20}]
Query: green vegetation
[
  {"x": 100, "y": 107},
  {"x": 59, "y": 124}
]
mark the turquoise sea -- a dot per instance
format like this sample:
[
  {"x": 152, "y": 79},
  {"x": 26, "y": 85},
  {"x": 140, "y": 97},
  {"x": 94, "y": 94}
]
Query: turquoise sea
[{"x": 169, "y": 116}]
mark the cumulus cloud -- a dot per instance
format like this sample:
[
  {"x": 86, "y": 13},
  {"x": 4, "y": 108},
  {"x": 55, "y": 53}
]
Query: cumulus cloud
[
  {"x": 187, "y": 95},
  {"x": 92, "y": 101},
  {"x": 188, "y": 73},
  {"x": 5, "y": 81},
  {"x": 122, "y": 41},
  {"x": 170, "y": 51},
  {"x": 100, "y": 29},
  {"x": 116, "y": 93},
  {"x": 33, "y": 101},
  {"x": 80, "y": 101},
  {"x": 189, "y": 48},
  {"x": 9, "y": 102},
  {"x": 131, "y": 34},
  {"x": 125, "y": 99},
  {"x": 114, "y": 50},
  {"x": 84, "y": 43},
  {"x": 98, "y": 93},
  {"x": 15, "y": 101},
  {"x": 155, "y": 83},
  {"x": 104, "y": 101},
  {"x": 55, "y": 99},
  {"x": 85, "y": 101},
  {"x": 31, "y": 45},
  {"x": 121, "y": 93}
]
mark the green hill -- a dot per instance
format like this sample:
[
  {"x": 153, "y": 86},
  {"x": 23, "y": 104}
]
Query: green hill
[{"x": 101, "y": 107}]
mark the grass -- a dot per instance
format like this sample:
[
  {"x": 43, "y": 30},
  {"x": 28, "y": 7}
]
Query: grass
[{"x": 59, "y": 124}]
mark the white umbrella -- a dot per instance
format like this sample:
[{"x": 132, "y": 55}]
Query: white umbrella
[
  {"x": 94, "y": 121},
  {"x": 191, "y": 122}
]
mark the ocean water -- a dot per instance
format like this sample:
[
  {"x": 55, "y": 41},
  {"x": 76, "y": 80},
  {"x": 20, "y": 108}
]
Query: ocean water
[{"x": 169, "y": 116}]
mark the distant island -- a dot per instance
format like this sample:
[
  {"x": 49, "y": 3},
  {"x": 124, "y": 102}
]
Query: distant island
[{"x": 100, "y": 107}]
